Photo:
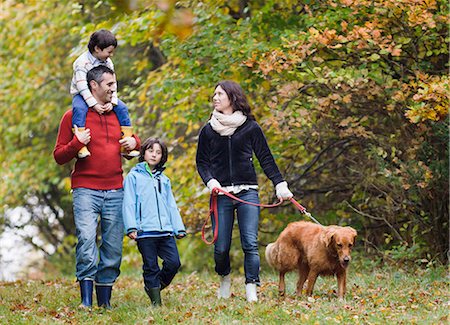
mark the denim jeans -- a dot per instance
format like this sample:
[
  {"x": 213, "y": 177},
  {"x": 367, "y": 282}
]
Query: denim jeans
[
  {"x": 248, "y": 219},
  {"x": 164, "y": 247},
  {"x": 102, "y": 264},
  {"x": 80, "y": 109}
]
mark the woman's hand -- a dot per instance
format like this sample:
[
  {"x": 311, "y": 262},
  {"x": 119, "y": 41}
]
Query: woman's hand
[
  {"x": 213, "y": 183},
  {"x": 283, "y": 192}
]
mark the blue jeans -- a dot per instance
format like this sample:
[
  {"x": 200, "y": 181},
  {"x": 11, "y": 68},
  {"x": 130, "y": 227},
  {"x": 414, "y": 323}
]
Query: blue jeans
[
  {"x": 80, "y": 109},
  {"x": 248, "y": 219},
  {"x": 164, "y": 247},
  {"x": 88, "y": 205}
]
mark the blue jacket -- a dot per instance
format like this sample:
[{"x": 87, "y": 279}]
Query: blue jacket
[{"x": 148, "y": 203}]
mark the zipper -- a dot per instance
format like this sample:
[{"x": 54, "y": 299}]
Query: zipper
[
  {"x": 157, "y": 202},
  {"x": 157, "y": 207},
  {"x": 230, "y": 160}
]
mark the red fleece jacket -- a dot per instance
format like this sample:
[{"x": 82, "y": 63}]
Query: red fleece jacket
[{"x": 103, "y": 169}]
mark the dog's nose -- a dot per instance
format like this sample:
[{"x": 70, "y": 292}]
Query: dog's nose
[{"x": 346, "y": 260}]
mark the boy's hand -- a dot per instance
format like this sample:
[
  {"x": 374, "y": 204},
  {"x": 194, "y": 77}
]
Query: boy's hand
[
  {"x": 98, "y": 108},
  {"x": 107, "y": 107},
  {"x": 83, "y": 136},
  {"x": 181, "y": 235},
  {"x": 132, "y": 235}
]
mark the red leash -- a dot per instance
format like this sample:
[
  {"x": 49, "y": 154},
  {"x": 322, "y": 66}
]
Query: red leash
[{"x": 213, "y": 210}]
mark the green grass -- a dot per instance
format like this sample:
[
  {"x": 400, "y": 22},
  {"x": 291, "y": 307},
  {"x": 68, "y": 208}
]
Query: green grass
[{"x": 379, "y": 296}]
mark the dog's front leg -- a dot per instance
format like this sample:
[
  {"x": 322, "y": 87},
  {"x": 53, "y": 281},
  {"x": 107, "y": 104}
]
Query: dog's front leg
[
  {"x": 281, "y": 285},
  {"x": 342, "y": 283},
  {"x": 312, "y": 277}
]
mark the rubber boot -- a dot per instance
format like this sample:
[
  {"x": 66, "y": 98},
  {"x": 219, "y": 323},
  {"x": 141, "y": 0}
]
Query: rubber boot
[
  {"x": 86, "y": 288},
  {"x": 225, "y": 287},
  {"x": 83, "y": 152},
  {"x": 127, "y": 131},
  {"x": 250, "y": 292},
  {"x": 103, "y": 296},
  {"x": 155, "y": 295}
]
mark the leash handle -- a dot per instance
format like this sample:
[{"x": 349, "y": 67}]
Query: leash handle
[{"x": 214, "y": 212}]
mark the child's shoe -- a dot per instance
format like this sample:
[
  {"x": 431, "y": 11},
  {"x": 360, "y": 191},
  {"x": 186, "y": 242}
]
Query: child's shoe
[
  {"x": 127, "y": 131},
  {"x": 155, "y": 295},
  {"x": 225, "y": 287}
]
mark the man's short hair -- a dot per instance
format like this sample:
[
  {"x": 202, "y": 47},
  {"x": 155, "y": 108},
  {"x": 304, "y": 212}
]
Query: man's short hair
[
  {"x": 97, "y": 73},
  {"x": 102, "y": 38}
]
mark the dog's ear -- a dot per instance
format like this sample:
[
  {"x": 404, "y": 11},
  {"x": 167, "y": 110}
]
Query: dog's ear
[
  {"x": 354, "y": 235},
  {"x": 327, "y": 236}
]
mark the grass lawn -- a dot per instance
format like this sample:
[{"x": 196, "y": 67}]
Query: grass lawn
[{"x": 378, "y": 296}]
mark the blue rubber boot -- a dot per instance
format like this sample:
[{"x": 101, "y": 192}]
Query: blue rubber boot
[
  {"x": 103, "y": 296},
  {"x": 86, "y": 288}
]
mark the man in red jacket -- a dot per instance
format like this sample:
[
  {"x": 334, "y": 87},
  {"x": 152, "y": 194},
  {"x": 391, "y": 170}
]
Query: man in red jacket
[{"x": 97, "y": 189}]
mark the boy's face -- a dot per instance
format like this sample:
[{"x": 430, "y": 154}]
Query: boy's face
[
  {"x": 153, "y": 155},
  {"x": 104, "y": 54}
]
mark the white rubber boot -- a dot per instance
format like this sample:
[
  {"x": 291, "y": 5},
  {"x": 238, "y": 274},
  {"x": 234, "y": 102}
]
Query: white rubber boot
[
  {"x": 225, "y": 287},
  {"x": 250, "y": 292}
]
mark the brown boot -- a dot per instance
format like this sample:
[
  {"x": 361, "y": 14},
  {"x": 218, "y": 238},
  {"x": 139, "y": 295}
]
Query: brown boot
[{"x": 127, "y": 131}]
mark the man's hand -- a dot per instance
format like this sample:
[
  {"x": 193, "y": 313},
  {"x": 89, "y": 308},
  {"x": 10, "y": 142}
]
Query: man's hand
[
  {"x": 99, "y": 108},
  {"x": 129, "y": 143},
  {"x": 83, "y": 136},
  {"x": 132, "y": 235},
  {"x": 107, "y": 107}
]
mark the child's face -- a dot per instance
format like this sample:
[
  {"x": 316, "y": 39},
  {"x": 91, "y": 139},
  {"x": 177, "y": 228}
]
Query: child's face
[
  {"x": 153, "y": 155},
  {"x": 104, "y": 54}
]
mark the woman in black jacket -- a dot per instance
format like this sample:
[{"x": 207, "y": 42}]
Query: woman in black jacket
[{"x": 225, "y": 160}]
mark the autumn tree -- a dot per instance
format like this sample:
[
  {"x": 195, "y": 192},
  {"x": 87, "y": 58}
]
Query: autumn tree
[{"x": 352, "y": 95}]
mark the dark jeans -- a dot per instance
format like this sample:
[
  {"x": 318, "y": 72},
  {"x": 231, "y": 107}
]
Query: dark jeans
[
  {"x": 164, "y": 247},
  {"x": 80, "y": 109},
  {"x": 248, "y": 219}
]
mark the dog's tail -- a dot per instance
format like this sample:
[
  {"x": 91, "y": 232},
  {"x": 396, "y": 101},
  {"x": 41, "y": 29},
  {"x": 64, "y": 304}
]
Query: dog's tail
[{"x": 272, "y": 254}]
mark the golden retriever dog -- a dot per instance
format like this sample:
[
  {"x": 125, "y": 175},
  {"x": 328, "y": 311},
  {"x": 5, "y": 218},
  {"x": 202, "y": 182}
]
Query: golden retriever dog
[{"x": 313, "y": 250}]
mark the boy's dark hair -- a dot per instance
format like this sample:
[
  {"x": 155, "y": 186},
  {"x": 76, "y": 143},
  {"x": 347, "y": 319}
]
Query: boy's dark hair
[
  {"x": 97, "y": 74},
  {"x": 101, "y": 38},
  {"x": 149, "y": 144}
]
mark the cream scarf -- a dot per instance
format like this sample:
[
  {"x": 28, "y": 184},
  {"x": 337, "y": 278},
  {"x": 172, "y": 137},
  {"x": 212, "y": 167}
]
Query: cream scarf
[{"x": 225, "y": 125}]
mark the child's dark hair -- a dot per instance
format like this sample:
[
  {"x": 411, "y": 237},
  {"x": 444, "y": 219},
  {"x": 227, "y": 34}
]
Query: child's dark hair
[
  {"x": 101, "y": 38},
  {"x": 149, "y": 144}
]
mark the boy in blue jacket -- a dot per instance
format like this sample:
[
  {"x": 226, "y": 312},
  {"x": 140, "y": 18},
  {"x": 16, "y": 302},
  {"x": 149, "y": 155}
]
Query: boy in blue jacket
[{"x": 151, "y": 217}]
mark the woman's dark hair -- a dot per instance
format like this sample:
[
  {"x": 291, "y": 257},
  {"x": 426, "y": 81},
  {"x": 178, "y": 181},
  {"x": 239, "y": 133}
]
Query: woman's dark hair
[
  {"x": 237, "y": 97},
  {"x": 101, "y": 38},
  {"x": 149, "y": 144}
]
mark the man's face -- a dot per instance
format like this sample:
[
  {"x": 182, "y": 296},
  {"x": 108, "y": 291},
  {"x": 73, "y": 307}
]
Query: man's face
[{"x": 103, "y": 92}]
